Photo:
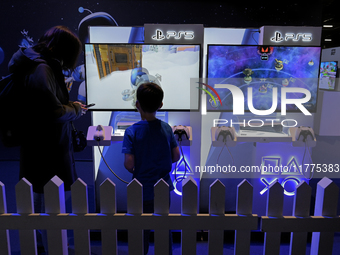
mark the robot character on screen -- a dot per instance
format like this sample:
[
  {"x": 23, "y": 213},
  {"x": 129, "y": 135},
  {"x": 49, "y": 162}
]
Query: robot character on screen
[
  {"x": 248, "y": 72},
  {"x": 139, "y": 75},
  {"x": 278, "y": 65}
]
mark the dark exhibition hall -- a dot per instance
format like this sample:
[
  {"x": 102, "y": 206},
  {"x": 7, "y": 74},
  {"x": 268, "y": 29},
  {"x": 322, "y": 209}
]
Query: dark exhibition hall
[{"x": 169, "y": 127}]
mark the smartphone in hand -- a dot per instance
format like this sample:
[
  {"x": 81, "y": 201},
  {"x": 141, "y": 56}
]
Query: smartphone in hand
[{"x": 89, "y": 105}]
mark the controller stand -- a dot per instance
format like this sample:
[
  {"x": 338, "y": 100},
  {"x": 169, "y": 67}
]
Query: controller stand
[
  {"x": 223, "y": 135},
  {"x": 302, "y": 136},
  {"x": 183, "y": 134},
  {"x": 99, "y": 135}
]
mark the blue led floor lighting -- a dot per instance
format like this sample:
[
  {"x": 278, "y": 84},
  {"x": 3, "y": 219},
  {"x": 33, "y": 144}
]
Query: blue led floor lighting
[{"x": 180, "y": 175}]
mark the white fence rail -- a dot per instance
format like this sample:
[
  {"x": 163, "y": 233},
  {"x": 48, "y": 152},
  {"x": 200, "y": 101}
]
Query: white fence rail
[{"x": 323, "y": 224}]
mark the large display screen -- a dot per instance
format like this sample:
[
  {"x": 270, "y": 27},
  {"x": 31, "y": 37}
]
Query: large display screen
[
  {"x": 262, "y": 68},
  {"x": 328, "y": 75},
  {"x": 114, "y": 72}
]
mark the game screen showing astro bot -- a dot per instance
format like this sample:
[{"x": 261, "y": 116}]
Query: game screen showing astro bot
[
  {"x": 328, "y": 75},
  {"x": 262, "y": 68},
  {"x": 115, "y": 71}
]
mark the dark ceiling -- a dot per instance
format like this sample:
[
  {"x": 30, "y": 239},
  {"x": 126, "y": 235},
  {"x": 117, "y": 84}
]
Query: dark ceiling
[{"x": 330, "y": 16}]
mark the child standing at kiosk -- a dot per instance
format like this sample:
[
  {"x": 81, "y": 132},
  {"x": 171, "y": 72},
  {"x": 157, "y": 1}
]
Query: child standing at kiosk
[{"x": 150, "y": 147}]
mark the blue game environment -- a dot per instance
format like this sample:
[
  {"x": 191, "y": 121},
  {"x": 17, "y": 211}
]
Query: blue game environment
[{"x": 263, "y": 68}]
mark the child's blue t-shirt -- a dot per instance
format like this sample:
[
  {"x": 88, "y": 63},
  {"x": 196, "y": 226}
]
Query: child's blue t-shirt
[{"x": 151, "y": 143}]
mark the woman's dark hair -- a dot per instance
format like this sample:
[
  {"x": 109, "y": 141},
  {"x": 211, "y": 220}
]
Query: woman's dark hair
[
  {"x": 150, "y": 96},
  {"x": 61, "y": 43}
]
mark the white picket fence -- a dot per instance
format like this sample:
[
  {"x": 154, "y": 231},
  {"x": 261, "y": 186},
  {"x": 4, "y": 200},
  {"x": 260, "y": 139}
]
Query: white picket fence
[{"x": 323, "y": 224}]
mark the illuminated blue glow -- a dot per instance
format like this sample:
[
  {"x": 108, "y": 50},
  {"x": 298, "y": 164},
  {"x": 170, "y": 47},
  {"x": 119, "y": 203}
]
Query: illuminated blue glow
[
  {"x": 293, "y": 167},
  {"x": 289, "y": 173},
  {"x": 187, "y": 169},
  {"x": 274, "y": 161},
  {"x": 175, "y": 188},
  {"x": 296, "y": 181},
  {"x": 267, "y": 184},
  {"x": 180, "y": 175}
]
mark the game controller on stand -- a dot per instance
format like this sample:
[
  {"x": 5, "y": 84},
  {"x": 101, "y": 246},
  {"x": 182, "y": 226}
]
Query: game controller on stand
[
  {"x": 183, "y": 134},
  {"x": 223, "y": 136},
  {"x": 99, "y": 135},
  {"x": 303, "y": 136}
]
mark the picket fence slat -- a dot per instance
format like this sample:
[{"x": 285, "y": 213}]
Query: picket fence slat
[
  {"x": 162, "y": 198},
  {"x": 80, "y": 207},
  {"x": 135, "y": 208},
  {"x": 108, "y": 206},
  {"x": 244, "y": 206},
  {"x": 24, "y": 198},
  {"x": 55, "y": 204},
  {"x": 134, "y": 198},
  {"x": 323, "y": 224},
  {"x": 216, "y": 208},
  {"x": 301, "y": 207},
  {"x": 161, "y": 207},
  {"x": 189, "y": 207},
  {"x": 274, "y": 209},
  {"x": 4, "y": 233},
  {"x": 3, "y": 204},
  {"x": 5, "y": 243},
  {"x": 326, "y": 202}
]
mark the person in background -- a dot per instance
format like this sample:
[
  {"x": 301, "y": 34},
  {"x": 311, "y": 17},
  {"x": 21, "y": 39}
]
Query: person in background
[
  {"x": 150, "y": 148},
  {"x": 46, "y": 148}
]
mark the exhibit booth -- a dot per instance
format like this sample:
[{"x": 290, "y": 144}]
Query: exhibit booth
[{"x": 243, "y": 104}]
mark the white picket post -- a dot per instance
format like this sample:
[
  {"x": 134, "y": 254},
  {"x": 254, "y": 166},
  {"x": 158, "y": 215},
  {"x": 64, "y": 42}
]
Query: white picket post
[
  {"x": 25, "y": 220},
  {"x": 80, "y": 207},
  {"x": 274, "y": 209},
  {"x": 217, "y": 198},
  {"x": 4, "y": 234},
  {"x": 189, "y": 199},
  {"x": 134, "y": 198},
  {"x": 301, "y": 208},
  {"x": 244, "y": 207},
  {"x": 216, "y": 208},
  {"x": 135, "y": 207},
  {"x": 3, "y": 205},
  {"x": 55, "y": 204},
  {"x": 161, "y": 190},
  {"x": 24, "y": 198},
  {"x": 108, "y": 207},
  {"x": 189, "y": 208},
  {"x": 108, "y": 197},
  {"x": 326, "y": 202},
  {"x": 161, "y": 207}
]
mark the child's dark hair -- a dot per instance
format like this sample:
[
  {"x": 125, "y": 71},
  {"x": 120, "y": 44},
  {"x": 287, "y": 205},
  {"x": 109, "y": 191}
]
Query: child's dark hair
[
  {"x": 61, "y": 43},
  {"x": 150, "y": 96}
]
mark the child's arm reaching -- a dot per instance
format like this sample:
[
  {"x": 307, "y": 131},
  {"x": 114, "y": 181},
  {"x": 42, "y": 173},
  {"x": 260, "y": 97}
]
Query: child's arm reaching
[
  {"x": 175, "y": 154},
  {"x": 129, "y": 162}
]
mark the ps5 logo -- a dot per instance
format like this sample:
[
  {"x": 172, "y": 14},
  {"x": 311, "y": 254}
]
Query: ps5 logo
[
  {"x": 278, "y": 37},
  {"x": 159, "y": 36}
]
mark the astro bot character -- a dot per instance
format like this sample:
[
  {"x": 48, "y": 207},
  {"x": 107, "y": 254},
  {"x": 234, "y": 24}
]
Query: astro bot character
[{"x": 139, "y": 75}]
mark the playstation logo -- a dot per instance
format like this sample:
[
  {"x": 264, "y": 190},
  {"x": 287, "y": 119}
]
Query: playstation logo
[
  {"x": 277, "y": 37},
  {"x": 159, "y": 35},
  {"x": 186, "y": 35}
]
